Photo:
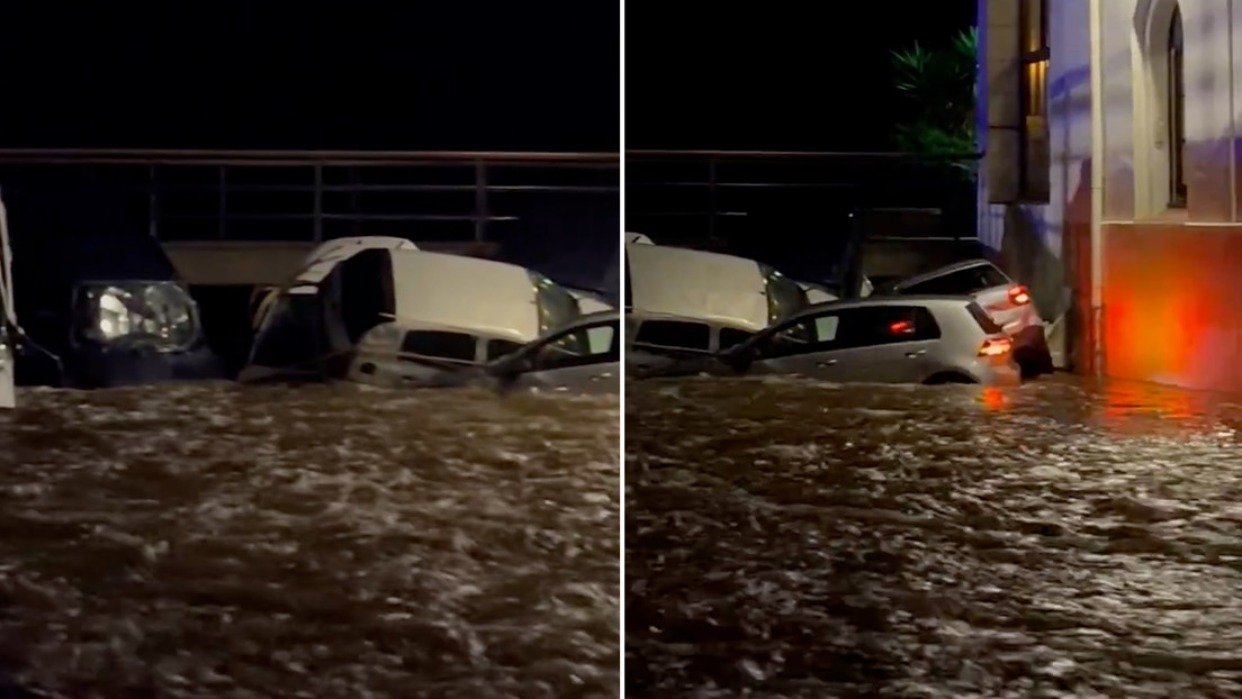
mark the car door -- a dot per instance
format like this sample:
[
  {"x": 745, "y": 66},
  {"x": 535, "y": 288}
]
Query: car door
[
  {"x": 887, "y": 343},
  {"x": 585, "y": 359},
  {"x": 881, "y": 344},
  {"x": 808, "y": 347}
]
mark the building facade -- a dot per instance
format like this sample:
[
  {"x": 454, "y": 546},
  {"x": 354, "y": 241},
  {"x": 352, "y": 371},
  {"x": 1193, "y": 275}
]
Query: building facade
[{"x": 1109, "y": 183}]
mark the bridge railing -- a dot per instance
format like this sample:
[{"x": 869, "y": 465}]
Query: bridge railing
[
  {"x": 718, "y": 195},
  {"x": 310, "y": 196}
]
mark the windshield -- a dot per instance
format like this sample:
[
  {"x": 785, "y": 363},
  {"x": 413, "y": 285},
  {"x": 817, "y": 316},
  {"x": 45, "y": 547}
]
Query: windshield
[
  {"x": 556, "y": 306},
  {"x": 785, "y": 297}
]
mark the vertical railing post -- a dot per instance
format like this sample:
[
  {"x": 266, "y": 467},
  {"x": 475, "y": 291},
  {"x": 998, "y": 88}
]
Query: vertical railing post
[
  {"x": 711, "y": 199},
  {"x": 153, "y": 203},
  {"x": 481, "y": 214},
  {"x": 222, "y": 204},
  {"x": 317, "y": 222}
]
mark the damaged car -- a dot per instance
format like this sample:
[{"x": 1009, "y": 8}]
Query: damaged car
[{"x": 397, "y": 317}]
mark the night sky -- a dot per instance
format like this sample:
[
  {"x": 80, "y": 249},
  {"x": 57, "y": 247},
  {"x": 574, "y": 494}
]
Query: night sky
[
  {"x": 771, "y": 75},
  {"x": 346, "y": 74}
]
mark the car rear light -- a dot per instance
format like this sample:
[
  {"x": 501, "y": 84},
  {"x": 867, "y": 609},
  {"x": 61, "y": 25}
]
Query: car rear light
[
  {"x": 1019, "y": 296},
  {"x": 995, "y": 346}
]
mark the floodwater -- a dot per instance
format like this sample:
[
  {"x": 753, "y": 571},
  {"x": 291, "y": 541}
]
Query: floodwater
[
  {"x": 226, "y": 541},
  {"x": 793, "y": 538}
]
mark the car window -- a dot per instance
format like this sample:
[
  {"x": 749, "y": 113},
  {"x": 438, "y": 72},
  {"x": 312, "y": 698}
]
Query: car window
[
  {"x": 809, "y": 334},
  {"x": 499, "y": 348},
  {"x": 674, "y": 335},
  {"x": 962, "y": 282},
  {"x": 438, "y": 344},
  {"x": 591, "y": 345},
  {"x": 885, "y": 325},
  {"x": 851, "y": 328}
]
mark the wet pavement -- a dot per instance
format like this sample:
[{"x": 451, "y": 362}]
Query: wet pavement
[
  {"x": 793, "y": 538},
  {"x": 225, "y": 541}
]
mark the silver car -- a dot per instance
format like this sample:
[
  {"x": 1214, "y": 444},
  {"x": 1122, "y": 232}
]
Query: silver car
[
  {"x": 1006, "y": 301},
  {"x": 928, "y": 340},
  {"x": 583, "y": 356}
]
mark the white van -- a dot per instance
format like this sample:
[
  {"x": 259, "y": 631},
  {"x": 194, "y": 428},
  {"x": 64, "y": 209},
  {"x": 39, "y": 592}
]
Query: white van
[
  {"x": 714, "y": 290},
  {"x": 405, "y": 317}
]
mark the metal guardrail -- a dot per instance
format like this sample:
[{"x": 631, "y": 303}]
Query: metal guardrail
[
  {"x": 695, "y": 190},
  {"x": 262, "y": 195}
]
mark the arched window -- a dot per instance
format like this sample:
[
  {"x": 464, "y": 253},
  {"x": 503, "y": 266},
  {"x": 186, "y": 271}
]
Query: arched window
[{"x": 1177, "y": 113}]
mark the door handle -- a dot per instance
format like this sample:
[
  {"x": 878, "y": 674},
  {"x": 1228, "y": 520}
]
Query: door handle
[
  {"x": 915, "y": 354},
  {"x": 826, "y": 363}
]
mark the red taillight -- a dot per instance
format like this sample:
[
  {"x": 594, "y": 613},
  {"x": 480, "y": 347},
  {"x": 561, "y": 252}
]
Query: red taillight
[
  {"x": 1019, "y": 296},
  {"x": 995, "y": 346}
]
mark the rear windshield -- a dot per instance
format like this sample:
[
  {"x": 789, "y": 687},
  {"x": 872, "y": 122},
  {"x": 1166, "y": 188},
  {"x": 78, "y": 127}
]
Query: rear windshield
[
  {"x": 984, "y": 320},
  {"x": 963, "y": 282}
]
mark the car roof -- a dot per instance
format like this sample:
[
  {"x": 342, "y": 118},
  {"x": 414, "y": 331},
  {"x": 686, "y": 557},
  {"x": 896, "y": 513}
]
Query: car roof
[
  {"x": 877, "y": 301},
  {"x": 942, "y": 271}
]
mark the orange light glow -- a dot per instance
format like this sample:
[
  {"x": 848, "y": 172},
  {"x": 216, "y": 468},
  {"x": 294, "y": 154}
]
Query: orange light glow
[
  {"x": 1019, "y": 296},
  {"x": 1170, "y": 309},
  {"x": 994, "y": 399},
  {"x": 995, "y": 347}
]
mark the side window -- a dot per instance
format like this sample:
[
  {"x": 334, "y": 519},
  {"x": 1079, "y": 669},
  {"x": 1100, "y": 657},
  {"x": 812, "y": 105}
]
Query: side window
[
  {"x": 600, "y": 342},
  {"x": 886, "y": 325},
  {"x": 674, "y": 335},
  {"x": 811, "y": 334},
  {"x": 499, "y": 348},
  {"x": 435, "y": 344}
]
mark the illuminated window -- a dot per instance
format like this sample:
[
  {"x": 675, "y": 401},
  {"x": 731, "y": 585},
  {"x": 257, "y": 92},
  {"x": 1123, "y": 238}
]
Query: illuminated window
[
  {"x": 1033, "y": 146},
  {"x": 1177, "y": 114}
]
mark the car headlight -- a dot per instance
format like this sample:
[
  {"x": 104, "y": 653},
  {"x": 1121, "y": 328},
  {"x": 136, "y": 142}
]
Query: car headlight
[{"x": 158, "y": 315}]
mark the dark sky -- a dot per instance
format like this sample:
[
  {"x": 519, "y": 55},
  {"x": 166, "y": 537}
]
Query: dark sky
[
  {"x": 771, "y": 75},
  {"x": 346, "y": 74}
]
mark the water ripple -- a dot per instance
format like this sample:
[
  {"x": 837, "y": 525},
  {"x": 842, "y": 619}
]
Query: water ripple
[{"x": 792, "y": 538}]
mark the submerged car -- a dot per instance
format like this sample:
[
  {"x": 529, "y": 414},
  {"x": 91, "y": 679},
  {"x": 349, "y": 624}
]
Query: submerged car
[
  {"x": 925, "y": 340},
  {"x": 396, "y": 317},
  {"x": 99, "y": 302},
  {"x": 583, "y": 356},
  {"x": 1008, "y": 303}
]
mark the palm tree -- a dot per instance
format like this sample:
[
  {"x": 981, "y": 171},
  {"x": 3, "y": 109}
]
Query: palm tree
[{"x": 938, "y": 88}]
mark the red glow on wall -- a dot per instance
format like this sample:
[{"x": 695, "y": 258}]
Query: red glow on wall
[{"x": 1173, "y": 304}]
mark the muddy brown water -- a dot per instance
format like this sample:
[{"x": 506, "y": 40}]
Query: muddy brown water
[
  {"x": 225, "y": 541},
  {"x": 793, "y": 538}
]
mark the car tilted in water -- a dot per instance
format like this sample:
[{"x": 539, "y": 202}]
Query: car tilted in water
[
  {"x": 914, "y": 339},
  {"x": 1007, "y": 302},
  {"x": 389, "y": 316}
]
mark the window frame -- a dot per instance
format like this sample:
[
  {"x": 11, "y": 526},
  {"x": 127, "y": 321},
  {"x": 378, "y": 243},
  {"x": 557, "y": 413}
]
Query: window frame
[
  {"x": 638, "y": 344},
  {"x": 534, "y": 359}
]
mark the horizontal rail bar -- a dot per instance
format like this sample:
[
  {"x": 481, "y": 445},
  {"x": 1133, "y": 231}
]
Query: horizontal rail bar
[
  {"x": 362, "y": 188},
  {"x": 122, "y": 156},
  {"x": 334, "y": 217},
  {"x": 750, "y": 185},
  {"x": 792, "y": 155}
]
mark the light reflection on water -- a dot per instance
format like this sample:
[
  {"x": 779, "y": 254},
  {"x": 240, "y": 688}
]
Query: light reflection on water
[
  {"x": 793, "y": 538},
  {"x": 213, "y": 540}
]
